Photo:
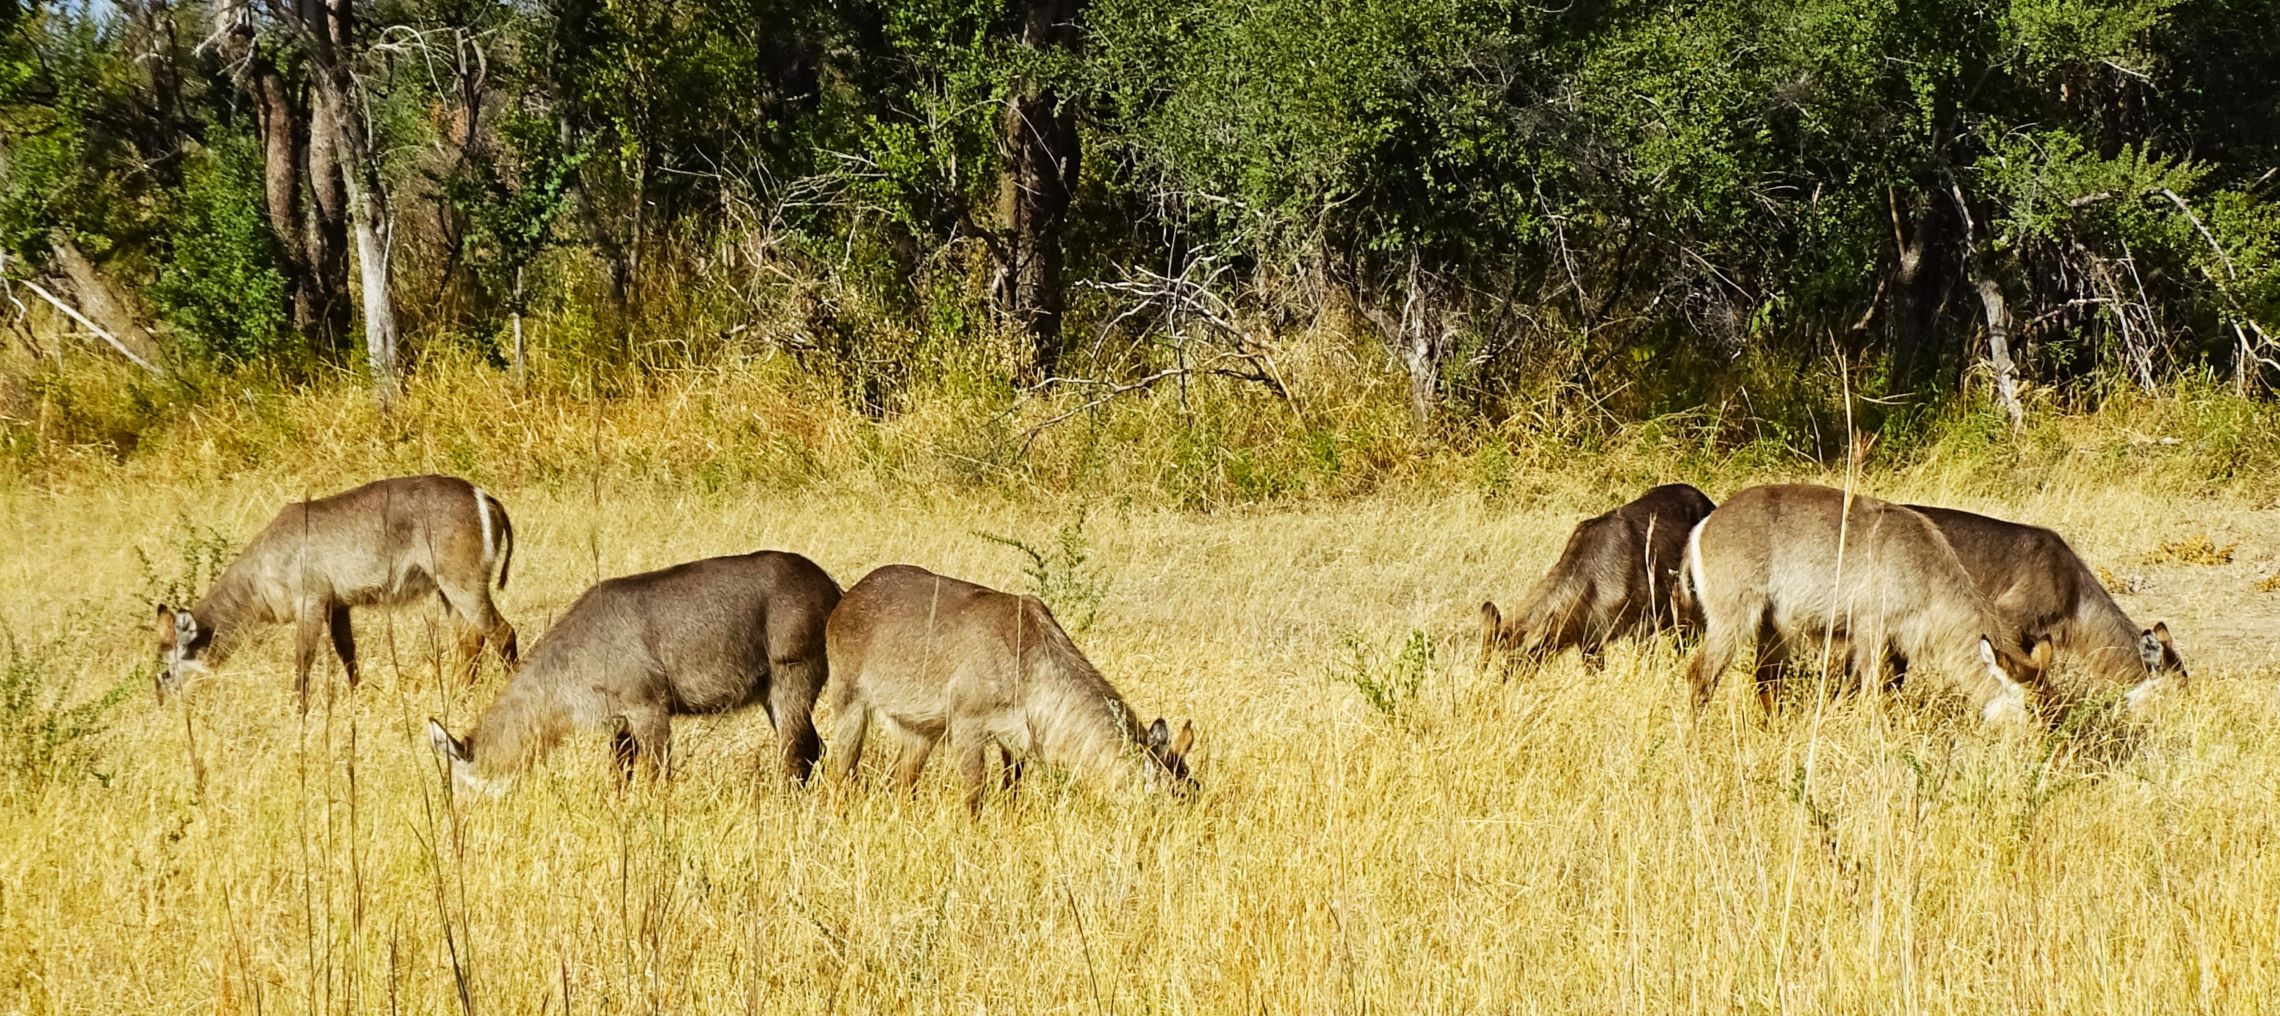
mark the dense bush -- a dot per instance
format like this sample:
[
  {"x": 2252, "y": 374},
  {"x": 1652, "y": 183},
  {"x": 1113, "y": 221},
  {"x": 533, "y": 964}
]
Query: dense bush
[{"x": 1647, "y": 206}]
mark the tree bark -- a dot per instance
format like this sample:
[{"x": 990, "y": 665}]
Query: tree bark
[
  {"x": 102, "y": 307},
  {"x": 327, "y": 29},
  {"x": 326, "y": 224},
  {"x": 1999, "y": 348},
  {"x": 281, "y": 122},
  {"x": 1039, "y": 144},
  {"x": 1919, "y": 288},
  {"x": 1998, "y": 314},
  {"x": 1419, "y": 334}
]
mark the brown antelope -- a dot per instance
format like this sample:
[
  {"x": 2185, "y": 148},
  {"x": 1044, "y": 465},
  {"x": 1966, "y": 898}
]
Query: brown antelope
[
  {"x": 1618, "y": 575},
  {"x": 2036, "y": 581},
  {"x": 931, "y": 657},
  {"x": 707, "y": 636},
  {"x": 387, "y": 543},
  {"x": 1789, "y": 563}
]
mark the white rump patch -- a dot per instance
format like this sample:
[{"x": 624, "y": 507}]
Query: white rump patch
[
  {"x": 483, "y": 522},
  {"x": 1694, "y": 562}
]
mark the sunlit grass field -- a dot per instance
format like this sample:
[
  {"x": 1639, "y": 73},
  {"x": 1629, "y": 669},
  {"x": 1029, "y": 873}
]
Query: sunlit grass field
[{"x": 1565, "y": 841}]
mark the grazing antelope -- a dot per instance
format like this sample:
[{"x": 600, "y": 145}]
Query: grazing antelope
[
  {"x": 2038, "y": 582},
  {"x": 707, "y": 636},
  {"x": 387, "y": 543},
  {"x": 1787, "y": 563},
  {"x": 931, "y": 657},
  {"x": 1619, "y": 574}
]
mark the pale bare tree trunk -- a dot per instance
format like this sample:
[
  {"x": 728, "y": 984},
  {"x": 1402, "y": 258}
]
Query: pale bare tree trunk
[
  {"x": 368, "y": 209},
  {"x": 327, "y": 29},
  {"x": 1998, "y": 316},
  {"x": 1999, "y": 348},
  {"x": 1420, "y": 336}
]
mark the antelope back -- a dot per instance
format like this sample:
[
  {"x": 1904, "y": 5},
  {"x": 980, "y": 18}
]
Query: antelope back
[{"x": 1808, "y": 560}]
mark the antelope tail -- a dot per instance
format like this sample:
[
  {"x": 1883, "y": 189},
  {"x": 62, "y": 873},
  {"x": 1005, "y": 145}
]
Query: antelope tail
[{"x": 498, "y": 532}]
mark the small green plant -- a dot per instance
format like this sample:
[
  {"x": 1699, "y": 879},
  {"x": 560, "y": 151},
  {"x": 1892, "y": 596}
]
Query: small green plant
[
  {"x": 1389, "y": 686},
  {"x": 44, "y": 735},
  {"x": 203, "y": 553},
  {"x": 1063, "y": 575}
]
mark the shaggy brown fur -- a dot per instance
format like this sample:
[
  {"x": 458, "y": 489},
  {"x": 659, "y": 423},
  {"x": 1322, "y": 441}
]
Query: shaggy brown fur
[
  {"x": 1619, "y": 574},
  {"x": 2039, "y": 583},
  {"x": 387, "y": 543},
  {"x": 930, "y": 657},
  {"x": 1787, "y": 563},
  {"x": 706, "y": 636}
]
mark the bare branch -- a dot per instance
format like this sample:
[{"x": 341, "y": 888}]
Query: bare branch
[
  {"x": 93, "y": 328},
  {"x": 2204, "y": 230}
]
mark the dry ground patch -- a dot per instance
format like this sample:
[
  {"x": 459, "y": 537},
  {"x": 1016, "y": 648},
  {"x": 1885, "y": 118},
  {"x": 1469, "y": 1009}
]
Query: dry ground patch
[{"x": 1570, "y": 841}]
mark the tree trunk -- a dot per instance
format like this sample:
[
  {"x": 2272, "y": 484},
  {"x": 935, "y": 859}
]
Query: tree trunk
[
  {"x": 327, "y": 29},
  {"x": 326, "y": 250},
  {"x": 1999, "y": 348},
  {"x": 1419, "y": 334},
  {"x": 368, "y": 209},
  {"x": 281, "y": 122},
  {"x": 1997, "y": 313},
  {"x": 284, "y": 131},
  {"x": 105, "y": 306},
  {"x": 1919, "y": 289},
  {"x": 1038, "y": 181},
  {"x": 515, "y": 314}
]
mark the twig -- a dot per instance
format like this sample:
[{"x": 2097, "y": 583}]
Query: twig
[
  {"x": 1113, "y": 391},
  {"x": 2223, "y": 257}
]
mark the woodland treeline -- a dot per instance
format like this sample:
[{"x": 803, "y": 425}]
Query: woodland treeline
[{"x": 1947, "y": 195}]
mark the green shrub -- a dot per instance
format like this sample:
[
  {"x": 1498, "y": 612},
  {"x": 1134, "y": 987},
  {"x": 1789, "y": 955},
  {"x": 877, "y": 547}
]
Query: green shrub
[
  {"x": 220, "y": 287},
  {"x": 46, "y": 731},
  {"x": 1389, "y": 686},
  {"x": 1063, "y": 575}
]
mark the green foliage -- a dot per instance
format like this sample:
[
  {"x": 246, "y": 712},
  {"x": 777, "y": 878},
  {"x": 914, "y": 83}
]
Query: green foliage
[
  {"x": 1062, "y": 575},
  {"x": 1651, "y": 208},
  {"x": 220, "y": 286},
  {"x": 200, "y": 554},
  {"x": 68, "y": 84},
  {"x": 1388, "y": 686},
  {"x": 47, "y": 731}
]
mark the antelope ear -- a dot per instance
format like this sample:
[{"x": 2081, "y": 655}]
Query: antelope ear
[
  {"x": 1158, "y": 735},
  {"x": 1186, "y": 740},
  {"x": 168, "y": 634},
  {"x": 445, "y": 744},
  {"x": 2161, "y": 631},
  {"x": 1986, "y": 651},
  {"x": 2041, "y": 655}
]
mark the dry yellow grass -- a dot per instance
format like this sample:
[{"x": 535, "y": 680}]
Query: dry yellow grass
[{"x": 1566, "y": 842}]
